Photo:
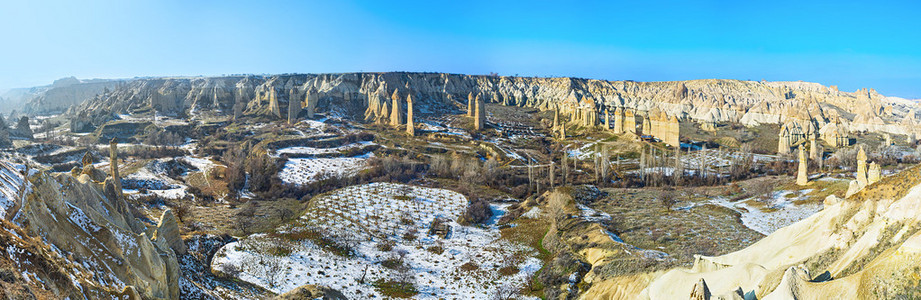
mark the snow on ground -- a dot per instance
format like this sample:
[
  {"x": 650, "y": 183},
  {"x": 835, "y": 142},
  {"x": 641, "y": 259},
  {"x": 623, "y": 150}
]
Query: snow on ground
[
  {"x": 378, "y": 212},
  {"x": 780, "y": 211},
  {"x": 315, "y": 151},
  {"x": 306, "y": 170},
  {"x": 11, "y": 184}
]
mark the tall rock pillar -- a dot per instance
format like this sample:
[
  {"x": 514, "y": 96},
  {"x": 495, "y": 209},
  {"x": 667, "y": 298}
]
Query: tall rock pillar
[
  {"x": 873, "y": 173},
  {"x": 113, "y": 165},
  {"x": 479, "y": 121},
  {"x": 395, "y": 119},
  {"x": 801, "y": 176},
  {"x": 618, "y": 120},
  {"x": 629, "y": 121},
  {"x": 311, "y": 100},
  {"x": 862, "y": 168},
  {"x": 607, "y": 119},
  {"x": 410, "y": 127},
  {"x": 273, "y": 103},
  {"x": 813, "y": 148},
  {"x": 470, "y": 103},
  {"x": 294, "y": 106}
]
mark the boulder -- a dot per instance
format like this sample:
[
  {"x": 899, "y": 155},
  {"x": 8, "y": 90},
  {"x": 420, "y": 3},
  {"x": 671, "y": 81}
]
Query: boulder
[{"x": 96, "y": 175}]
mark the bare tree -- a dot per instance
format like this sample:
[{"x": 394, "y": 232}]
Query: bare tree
[
  {"x": 668, "y": 199},
  {"x": 505, "y": 292}
]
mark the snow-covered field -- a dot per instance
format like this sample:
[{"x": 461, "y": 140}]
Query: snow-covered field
[
  {"x": 779, "y": 212},
  {"x": 305, "y": 170},
  {"x": 374, "y": 214},
  {"x": 316, "y": 151}
]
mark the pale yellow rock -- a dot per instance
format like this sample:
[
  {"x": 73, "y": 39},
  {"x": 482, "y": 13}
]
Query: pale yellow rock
[
  {"x": 862, "y": 168},
  {"x": 801, "y": 176},
  {"x": 168, "y": 230},
  {"x": 470, "y": 104},
  {"x": 873, "y": 173},
  {"x": 396, "y": 117},
  {"x": 618, "y": 120},
  {"x": 479, "y": 118},
  {"x": 410, "y": 127}
]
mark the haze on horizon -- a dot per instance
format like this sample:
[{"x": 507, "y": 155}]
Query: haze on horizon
[{"x": 848, "y": 44}]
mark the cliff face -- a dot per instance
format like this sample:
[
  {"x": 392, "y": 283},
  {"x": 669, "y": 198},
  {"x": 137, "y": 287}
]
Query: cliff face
[
  {"x": 64, "y": 93},
  {"x": 367, "y": 95}
]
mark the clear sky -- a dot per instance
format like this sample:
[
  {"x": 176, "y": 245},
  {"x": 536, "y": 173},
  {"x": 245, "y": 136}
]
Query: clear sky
[{"x": 850, "y": 44}]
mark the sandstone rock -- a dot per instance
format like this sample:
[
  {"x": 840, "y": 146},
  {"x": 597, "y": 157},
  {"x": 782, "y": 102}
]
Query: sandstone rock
[
  {"x": 629, "y": 121},
  {"x": 396, "y": 118},
  {"x": 700, "y": 291},
  {"x": 862, "y": 168},
  {"x": 113, "y": 165},
  {"x": 714, "y": 101},
  {"x": 22, "y": 128},
  {"x": 101, "y": 232},
  {"x": 76, "y": 171},
  {"x": 618, "y": 120},
  {"x": 294, "y": 106},
  {"x": 311, "y": 103},
  {"x": 852, "y": 188},
  {"x": 470, "y": 104},
  {"x": 168, "y": 230},
  {"x": 87, "y": 159},
  {"x": 831, "y": 200},
  {"x": 410, "y": 127},
  {"x": 94, "y": 174},
  {"x": 801, "y": 176},
  {"x": 479, "y": 118},
  {"x": 873, "y": 173}
]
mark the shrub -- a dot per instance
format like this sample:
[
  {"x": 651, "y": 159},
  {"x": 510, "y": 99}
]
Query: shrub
[
  {"x": 385, "y": 246},
  {"x": 437, "y": 249},
  {"x": 508, "y": 270},
  {"x": 469, "y": 266}
]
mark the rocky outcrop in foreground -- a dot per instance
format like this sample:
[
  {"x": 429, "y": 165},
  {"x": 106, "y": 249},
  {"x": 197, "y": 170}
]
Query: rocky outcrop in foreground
[{"x": 864, "y": 247}]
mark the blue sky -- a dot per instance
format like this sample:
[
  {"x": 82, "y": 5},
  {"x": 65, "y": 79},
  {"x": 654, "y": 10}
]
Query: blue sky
[{"x": 849, "y": 44}]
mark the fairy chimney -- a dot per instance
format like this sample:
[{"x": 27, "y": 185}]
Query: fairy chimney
[{"x": 410, "y": 127}]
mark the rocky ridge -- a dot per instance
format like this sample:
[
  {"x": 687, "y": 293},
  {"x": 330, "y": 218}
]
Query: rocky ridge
[{"x": 368, "y": 96}]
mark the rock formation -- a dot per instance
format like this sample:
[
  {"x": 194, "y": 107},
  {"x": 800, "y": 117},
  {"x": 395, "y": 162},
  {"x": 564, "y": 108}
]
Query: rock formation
[
  {"x": 629, "y": 121},
  {"x": 113, "y": 165},
  {"x": 273, "y": 103},
  {"x": 22, "y": 129},
  {"x": 648, "y": 127},
  {"x": 89, "y": 170},
  {"x": 556, "y": 118},
  {"x": 873, "y": 173},
  {"x": 801, "y": 176},
  {"x": 396, "y": 118},
  {"x": 607, "y": 119},
  {"x": 311, "y": 99},
  {"x": 470, "y": 104},
  {"x": 97, "y": 228},
  {"x": 813, "y": 148},
  {"x": 294, "y": 106},
  {"x": 847, "y": 250},
  {"x": 479, "y": 118},
  {"x": 700, "y": 291},
  {"x": 704, "y": 101},
  {"x": 410, "y": 127},
  {"x": 862, "y": 168},
  {"x": 168, "y": 231},
  {"x": 618, "y": 121}
]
